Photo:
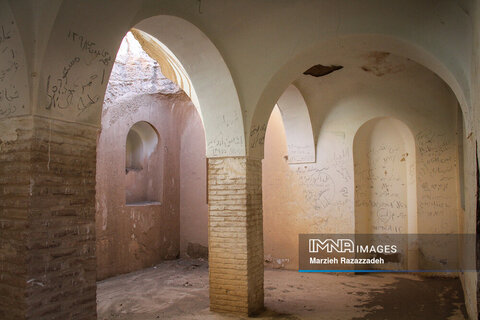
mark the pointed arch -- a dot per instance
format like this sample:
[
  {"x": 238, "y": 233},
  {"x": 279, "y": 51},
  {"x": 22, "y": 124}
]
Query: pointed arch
[
  {"x": 211, "y": 81},
  {"x": 298, "y": 127}
]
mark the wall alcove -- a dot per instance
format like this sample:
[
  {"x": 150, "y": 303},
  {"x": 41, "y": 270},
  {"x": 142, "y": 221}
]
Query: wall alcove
[
  {"x": 143, "y": 165},
  {"x": 385, "y": 185}
]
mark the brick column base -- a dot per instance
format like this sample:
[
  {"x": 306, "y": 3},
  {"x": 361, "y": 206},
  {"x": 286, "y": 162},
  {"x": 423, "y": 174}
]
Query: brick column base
[
  {"x": 47, "y": 219},
  {"x": 235, "y": 235}
]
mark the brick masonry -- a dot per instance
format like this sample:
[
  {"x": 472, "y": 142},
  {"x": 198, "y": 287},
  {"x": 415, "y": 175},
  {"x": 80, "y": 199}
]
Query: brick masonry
[
  {"x": 235, "y": 235},
  {"x": 47, "y": 220},
  {"x": 15, "y": 168}
]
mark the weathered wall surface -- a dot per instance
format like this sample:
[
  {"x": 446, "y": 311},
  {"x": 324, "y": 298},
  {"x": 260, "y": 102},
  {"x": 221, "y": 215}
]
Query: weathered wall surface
[
  {"x": 380, "y": 155},
  {"x": 14, "y": 100},
  {"x": 14, "y": 212},
  {"x": 137, "y": 235},
  {"x": 47, "y": 210},
  {"x": 193, "y": 188},
  {"x": 320, "y": 197},
  {"x": 61, "y": 233},
  {"x": 132, "y": 236},
  {"x": 470, "y": 221},
  {"x": 385, "y": 184}
]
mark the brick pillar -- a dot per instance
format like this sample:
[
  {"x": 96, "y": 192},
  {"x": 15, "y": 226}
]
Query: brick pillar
[
  {"x": 47, "y": 220},
  {"x": 15, "y": 167},
  {"x": 235, "y": 235}
]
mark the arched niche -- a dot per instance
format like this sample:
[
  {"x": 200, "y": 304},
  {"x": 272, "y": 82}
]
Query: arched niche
[
  {"x": 298, "y": 127},
  {"x": 143, "y": 165},
  {"x": 134, "y": 151},
  {"x": 385, "y": 183}
]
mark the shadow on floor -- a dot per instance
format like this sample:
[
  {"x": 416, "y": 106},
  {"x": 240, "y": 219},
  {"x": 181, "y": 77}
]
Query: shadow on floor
[{"x": 432, "y": 298}]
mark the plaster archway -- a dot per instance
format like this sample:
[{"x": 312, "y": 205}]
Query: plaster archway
[
  {"x": 334, "y": 51},
  {"x": 73, "y": 85},
  {"x": 217, "y": 97}
]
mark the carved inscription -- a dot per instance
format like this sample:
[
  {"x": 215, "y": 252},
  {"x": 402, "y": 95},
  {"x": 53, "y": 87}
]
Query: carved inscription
[
  {"x": 320, "y": 187},
  {"x": 10, "y": 99},
  {"x": 76, "y": 86},
  {"x": 257, "y": 135},
  {"x": 436, "y": 173},
  {"x": 381, "y": 188},
  {"x": 221, "y": 145}
]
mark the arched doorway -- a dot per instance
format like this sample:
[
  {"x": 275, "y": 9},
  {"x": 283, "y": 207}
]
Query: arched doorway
[{"x": 151, "y": 187}]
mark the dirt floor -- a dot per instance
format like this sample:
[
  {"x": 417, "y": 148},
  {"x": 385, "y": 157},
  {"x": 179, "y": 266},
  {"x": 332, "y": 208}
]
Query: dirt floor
[{"x": 179, "y": 290}]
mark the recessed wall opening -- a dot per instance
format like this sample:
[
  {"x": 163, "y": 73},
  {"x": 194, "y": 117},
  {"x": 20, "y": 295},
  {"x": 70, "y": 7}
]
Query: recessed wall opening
[
  {"x": 134, "y": 152},
  {"x": 385, "y": 186},
  {"x": 143, "y": 165}
]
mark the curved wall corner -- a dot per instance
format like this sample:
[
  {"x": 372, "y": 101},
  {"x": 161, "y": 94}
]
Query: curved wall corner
[{"x": 298, "y": 127}]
